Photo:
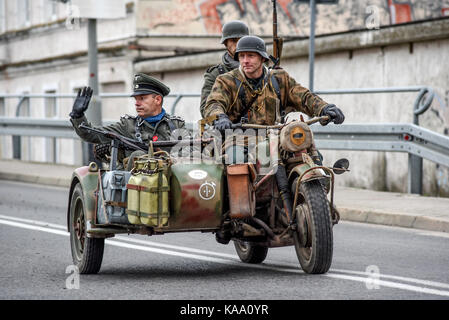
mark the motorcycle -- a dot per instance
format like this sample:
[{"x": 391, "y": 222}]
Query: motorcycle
[{"x": 280, "y": 195}]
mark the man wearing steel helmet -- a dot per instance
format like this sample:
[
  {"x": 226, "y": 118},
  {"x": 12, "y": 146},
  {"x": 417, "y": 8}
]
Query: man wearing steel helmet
[
  {"x": 151, "y": 123},
  {"x": 231, "y": 33},
  {"x": 253, "y": 91}
]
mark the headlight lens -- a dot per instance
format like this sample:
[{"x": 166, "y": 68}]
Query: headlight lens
[{"x": 296, "y": 136}]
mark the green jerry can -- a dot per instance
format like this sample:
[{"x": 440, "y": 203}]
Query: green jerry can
[{"x": 148, "y": 193}]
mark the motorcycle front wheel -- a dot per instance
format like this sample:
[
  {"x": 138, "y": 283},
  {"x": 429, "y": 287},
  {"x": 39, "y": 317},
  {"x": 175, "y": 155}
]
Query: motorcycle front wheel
[{"x": 313, "y": 237}]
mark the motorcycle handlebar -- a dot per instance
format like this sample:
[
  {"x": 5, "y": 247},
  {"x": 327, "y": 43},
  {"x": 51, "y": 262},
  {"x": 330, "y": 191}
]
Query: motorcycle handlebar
[{"x": 278, "y": 126}]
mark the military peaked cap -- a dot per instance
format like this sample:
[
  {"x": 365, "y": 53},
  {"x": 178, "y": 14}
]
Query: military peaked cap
[{"x": 144, "y": 84}]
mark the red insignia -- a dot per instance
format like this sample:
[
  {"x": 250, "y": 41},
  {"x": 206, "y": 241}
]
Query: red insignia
[{"x": 155, "y": 138}]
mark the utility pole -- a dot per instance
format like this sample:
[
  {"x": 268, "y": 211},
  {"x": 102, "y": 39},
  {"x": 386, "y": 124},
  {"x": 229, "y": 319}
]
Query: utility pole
[
  {"x": 312, "y": 5},
  {"x": 93, "y": 113},
  {"x": 312, "y": 43}
]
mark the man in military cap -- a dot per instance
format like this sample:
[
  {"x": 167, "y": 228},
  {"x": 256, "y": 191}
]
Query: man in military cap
[
  {"x": 151, "y": 123},
  {"x": 253, "y": 91},
  {"x": 231, "y": 33}
]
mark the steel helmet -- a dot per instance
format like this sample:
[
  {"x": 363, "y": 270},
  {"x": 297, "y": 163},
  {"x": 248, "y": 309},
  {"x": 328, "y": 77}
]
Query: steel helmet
[
  {"x": 234, "y": 29},
  {"x": 252, "y": 44}
]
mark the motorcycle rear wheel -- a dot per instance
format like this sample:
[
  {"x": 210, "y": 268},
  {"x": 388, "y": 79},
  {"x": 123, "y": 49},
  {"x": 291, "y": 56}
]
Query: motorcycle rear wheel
[
  {"x": 250, "y": 253},
  {"x": 87, "y": 253},
  {"x": 314, "y": 237}
]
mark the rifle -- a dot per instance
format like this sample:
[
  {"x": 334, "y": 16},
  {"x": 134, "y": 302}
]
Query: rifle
[
  {"x": 277, "y": 42},
  {"x": 128, "y": 143},
  {"x": 132, "y": 144}
]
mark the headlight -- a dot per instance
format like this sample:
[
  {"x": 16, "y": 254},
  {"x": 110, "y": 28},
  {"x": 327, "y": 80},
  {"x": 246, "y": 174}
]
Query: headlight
[{"x": 296, "y": 136}]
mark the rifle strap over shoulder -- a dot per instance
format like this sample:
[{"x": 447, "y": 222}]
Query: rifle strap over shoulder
[
  {"x": 276, "y": 87},
  {"x": 242, "y": 96}
]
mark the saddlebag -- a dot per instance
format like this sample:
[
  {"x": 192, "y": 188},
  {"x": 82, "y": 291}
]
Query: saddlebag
[
  {"x": 148, "y": 188},
  {"x": 241, "y": 190}
]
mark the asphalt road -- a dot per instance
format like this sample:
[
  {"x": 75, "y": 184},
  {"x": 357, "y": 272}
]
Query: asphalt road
[{"x": 369, "y": 262}]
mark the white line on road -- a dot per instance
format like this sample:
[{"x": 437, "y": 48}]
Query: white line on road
[{"x": 282, "y": 267}]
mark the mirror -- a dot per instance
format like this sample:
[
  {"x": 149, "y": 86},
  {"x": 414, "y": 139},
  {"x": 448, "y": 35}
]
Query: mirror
[{"x": 343, "y": 164}]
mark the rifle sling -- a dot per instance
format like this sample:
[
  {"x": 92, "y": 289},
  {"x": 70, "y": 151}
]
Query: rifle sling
[{"x": 242, "y": 95}]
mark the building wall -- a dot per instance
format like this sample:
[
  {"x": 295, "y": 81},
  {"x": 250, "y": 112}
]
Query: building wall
[
  {"x": 208, "y": 16},
  {"x": 401, "y": 64},
  {"x": 40, "y": 59}
]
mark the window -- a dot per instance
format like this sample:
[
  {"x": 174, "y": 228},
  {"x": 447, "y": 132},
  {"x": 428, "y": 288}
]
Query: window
[
  {"x": 24, "y": 13},
  {"x": 113, "y": 87},
  {"x": 3, "y": 139},
  {"x": 2, "y": 16},
  {"x": 50, "y": 112},
  {"x": 50, "y": 105},
  {"x": 2, "y": 107},
  {"x": 50, "y": 8}
]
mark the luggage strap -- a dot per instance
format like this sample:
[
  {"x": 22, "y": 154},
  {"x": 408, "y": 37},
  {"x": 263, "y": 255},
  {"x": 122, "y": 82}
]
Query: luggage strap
[{"x": 146, "y": 189}]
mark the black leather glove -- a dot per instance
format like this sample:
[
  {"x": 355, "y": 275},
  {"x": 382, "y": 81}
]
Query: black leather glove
[
  {"x": 222, "y": 123},
  {"x": 81, "y": 103},
  {"x": 334, "y": 113}
]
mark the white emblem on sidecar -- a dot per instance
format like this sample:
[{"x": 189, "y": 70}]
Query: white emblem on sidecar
[
  {"x": 198, "y": 174},
  {"x": 207, "y": 190}
]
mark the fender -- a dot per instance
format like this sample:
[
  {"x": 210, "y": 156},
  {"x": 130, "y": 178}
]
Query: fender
[
  {"x": 298, "y": 170},
  {"x": 87, "y": 176}
]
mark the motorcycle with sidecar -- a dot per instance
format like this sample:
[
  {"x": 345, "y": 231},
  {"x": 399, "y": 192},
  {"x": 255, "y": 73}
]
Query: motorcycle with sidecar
[{"x": 279, "y": 195}]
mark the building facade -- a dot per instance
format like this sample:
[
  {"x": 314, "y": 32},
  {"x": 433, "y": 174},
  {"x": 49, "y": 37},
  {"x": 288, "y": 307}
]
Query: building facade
[{"x": 376, "y": 43}]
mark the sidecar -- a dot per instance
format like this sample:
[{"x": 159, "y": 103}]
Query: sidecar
[{"x": 101, "y": 203}]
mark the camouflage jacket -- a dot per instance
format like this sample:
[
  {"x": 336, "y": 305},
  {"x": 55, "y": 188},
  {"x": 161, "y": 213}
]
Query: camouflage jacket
[
  {"x": 227, "y": 64},
  {"x": 224, "y": 97},
  {"x": 130, "y": 127}
]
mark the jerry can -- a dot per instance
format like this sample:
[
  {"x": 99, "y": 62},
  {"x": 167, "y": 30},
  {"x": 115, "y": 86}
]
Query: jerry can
[
  {"x": 133, "y": 199},
  {"x": 148, "y": 193},
  {"x": 154, "y": 199}
]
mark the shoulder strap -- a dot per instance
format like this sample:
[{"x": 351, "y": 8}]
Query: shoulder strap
[
  {"x": 171, "y": 124},
  {"x": 242, "y": 96},
  {"x": 241, "y": 93},
  {"x": 275, "y": 84}
]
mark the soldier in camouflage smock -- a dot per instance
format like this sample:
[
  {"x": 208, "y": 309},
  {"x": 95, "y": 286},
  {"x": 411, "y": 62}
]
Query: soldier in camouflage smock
[
  {"x": 151, "y": 123},
  {"x": 254, "y": 92},
  {"x": 231, "y": 34}
]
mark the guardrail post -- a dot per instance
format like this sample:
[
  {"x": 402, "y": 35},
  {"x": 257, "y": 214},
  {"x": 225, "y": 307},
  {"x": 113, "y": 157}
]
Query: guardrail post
[
  {"x": 17, "y": 140},
  {"x": 414, "y": 174}
]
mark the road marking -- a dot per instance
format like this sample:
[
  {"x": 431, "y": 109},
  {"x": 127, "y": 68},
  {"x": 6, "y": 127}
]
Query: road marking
[
  {"x": 34, "y": 227},
  {"x": 282, "y": 267},
  {"x": 34, "y": 222}
]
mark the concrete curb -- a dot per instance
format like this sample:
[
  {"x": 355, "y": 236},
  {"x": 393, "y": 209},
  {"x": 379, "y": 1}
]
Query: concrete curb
[
  {"x": 21, "y": 177},
  {"x": 394, "y": 219}
]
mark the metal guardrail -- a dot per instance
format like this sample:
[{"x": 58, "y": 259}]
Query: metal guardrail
[
  {"x": 390, "y": 137},
  {"x": 418, "y": 142},
  {"x": 22, "y": 97}
]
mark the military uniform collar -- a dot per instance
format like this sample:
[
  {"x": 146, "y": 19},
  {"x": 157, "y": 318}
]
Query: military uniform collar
[
  {"x": 141, "y": 120},
  {"x": 243, "y": 78},
  {"x": 229, "y": 62}
]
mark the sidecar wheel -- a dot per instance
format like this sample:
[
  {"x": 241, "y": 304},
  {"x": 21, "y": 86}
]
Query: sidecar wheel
[
  {"x": 87, "y": 253},
  {"x": 250, "y": 253},
  {"x": 314, "y": 238}
]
